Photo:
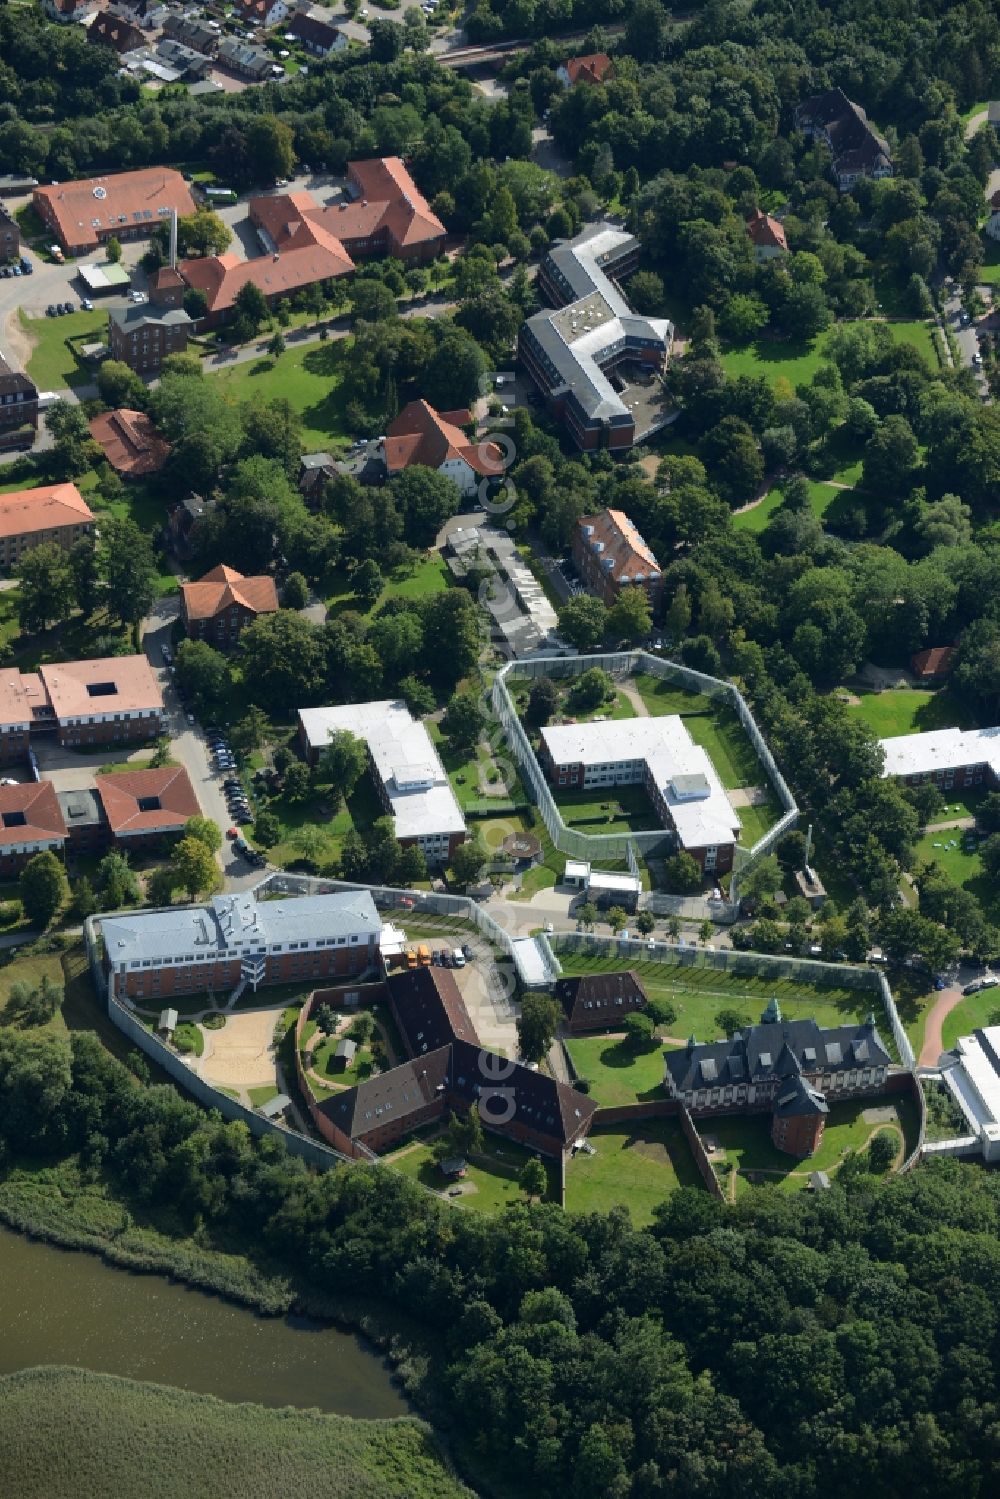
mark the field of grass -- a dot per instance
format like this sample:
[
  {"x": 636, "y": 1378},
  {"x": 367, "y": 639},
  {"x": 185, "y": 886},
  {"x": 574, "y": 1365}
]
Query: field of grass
[
  {"x": 618, "y": 1072},
  {"x": 493, "y": 1174},
  {"x": 26, "y": 967},
  {"x": 426, "y": 577},
  {"x": 698, "y": 994},
  {"x": 947, "y": 849},
  {"x": 796, "y": 363},
  {"x": 824, "y": 499},
  {"x": 911, "y": 710},
  {"x": 663, "y": 697},
  {"x": 53, "y": 364},
  {"x": 308, "y": 378},
  {"x": 619, "y": 809},
  {"x": 107, "y": 1438},
  {"x": 989, "y": 271},
  {"x": 756, "y": 821},
  {"x": 360, "y": 1069},
  {"x": 262, "y": 1095},
  {"x": 975, "y": 1010},
  {"x": 747, "y": 1144},
  {"x": 634, "y": 1167}
]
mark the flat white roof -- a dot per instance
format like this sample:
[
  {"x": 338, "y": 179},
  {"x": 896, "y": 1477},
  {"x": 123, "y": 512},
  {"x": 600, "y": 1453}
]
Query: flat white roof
[
  {"x": 700, "y": 810},
  {"x": 941, "y": 749},
  {"x": 416, "y": 783},
  {"x": 975, "y": 1081},
  {"x": 610, "y": 879},
  {"x": 530, "y": 962}
]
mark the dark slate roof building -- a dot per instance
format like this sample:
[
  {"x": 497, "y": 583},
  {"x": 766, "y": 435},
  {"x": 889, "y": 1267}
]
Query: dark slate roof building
[
  {"x": 597, "y": 1001},
  {"x": 429, "y": 1009},
  {"x": 859, "y": 150}
]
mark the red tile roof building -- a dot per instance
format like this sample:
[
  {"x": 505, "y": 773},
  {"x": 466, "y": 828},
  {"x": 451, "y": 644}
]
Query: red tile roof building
[
  {"x": 389, "y": 214},
  {"x": 141, "y": 805},
  {"x": 52, "y": 513},
  {"x": 122, "y": 205},
  {"x": 434, "y": 439},
  {"x": 130, "y": 442},
  {"x": 611, "y": 555},
  {"x": 220, "y": 605},
  {"x": 18, "y": 407},
  {"x": 933, "y": 665},
  {"x": 31, "y": 822},
  {"x": 116, "y": 32},
  {"x": 767, "y": 235},
  {"x": 593, "y": 68}
]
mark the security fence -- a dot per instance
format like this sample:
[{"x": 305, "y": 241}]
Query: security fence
[{"x": 601, "y": 848}]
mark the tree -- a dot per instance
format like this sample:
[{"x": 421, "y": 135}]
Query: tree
[
  {"x": 678, "y": 616},
  {"x": 589, "y": 690},
  {"x": 270, "y": 147},
  {"x": 283, "y": 660},
  {"x": 543, "y": 698},
  {"x": 113, "y": 250},
  {"x": 729, "y": 1020},
  {"x": 536, "y": 1025},
  {"x": 342, "y": 762},
  {"x": 298, "y": 782},
  {"x": 792, "y": 850},
  {"x": 463, "y": 722},
  {"x": 118, "y": 385},
  {"x": 206, "y": 830},
  {"x": 84, "y": 899},
  {"x": 988, "y": 812},
  {"x": 276, "y": 345},
  {"x": 661, "y": 1011},
  {"x": 630, "y": 617},
  {"x": 762, "y": 880},
  {"x": 43, "y": 888},
  {"x": 203, "y": 674},
  {"x": 194, "y": 868},
  {"x": 47, "y": 589},
  {"x": 200, "y": 233},
  {"x": 130, "y": 569},
  {"x": 468, "y": 859},
  {"x": 989, "y": 853},
  {"x": 705, "y": 932},
  {"x": 367, "y": 582},
  {"x": 583, "y": 622},
  {"x": 673, "y": 927},
  {"x": 195, "y": 303},
  {"x": 533, "y": 1179},
  {"x": 362, "y": 1027},
  {"x": 616, "y": 917},
  {"x": 645, "y": 922},
  {"x": 386, "y": 39},
  {"x": 425, "y": 499},
  {"x": 251, "y": 306},
  {"x": 266, "y": 829},
  {"x": 882, "y": 1151},
  {"x": 682, "y": 874},
  {"x": 639, "y": 1030},
  {"x": 117, "y": 881},
  {"x": 325, "y": 1017},
  {"x": 295, "y": 594},
  {"x": 586, "y": 915}
]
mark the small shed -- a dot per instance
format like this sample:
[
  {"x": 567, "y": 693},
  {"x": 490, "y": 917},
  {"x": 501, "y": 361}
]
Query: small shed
[
  {"x": 275, "y": 1107},
  {"x": 522, "y": 847},
  {"x": 454, "y": 1167},
  {"x": 819, "y": 1181},
  {"x": 167, "y": 1023},
  {"x": 344, "y": 1054}
]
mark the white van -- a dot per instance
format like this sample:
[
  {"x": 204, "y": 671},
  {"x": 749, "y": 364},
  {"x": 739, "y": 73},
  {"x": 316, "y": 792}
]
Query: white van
[{"x": 458, "y": 958}]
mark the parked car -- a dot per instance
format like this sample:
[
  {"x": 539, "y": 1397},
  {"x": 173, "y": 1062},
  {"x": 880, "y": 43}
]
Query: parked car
[
  {"x": 467, "y": 952},
  {"x": 972, "y": 988},
  {"x": 233, "y": 833},
  {"x": 67, "y": 307},
  {"x": 86, "y": 305}
]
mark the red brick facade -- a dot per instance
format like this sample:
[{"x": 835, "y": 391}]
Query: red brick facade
[{"x": 799, "y": 1135}]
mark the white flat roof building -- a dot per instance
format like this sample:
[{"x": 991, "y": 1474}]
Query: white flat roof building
[
  {"x": 406, "y": 763},
  {"x": 942, "y": 750},
  {"x": 618, "y": 751},
  {"x": 972, "y": 1075}
]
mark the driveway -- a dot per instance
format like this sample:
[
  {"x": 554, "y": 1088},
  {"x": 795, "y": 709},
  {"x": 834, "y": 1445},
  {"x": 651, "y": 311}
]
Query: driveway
[
  {"x": 966, "y": 338},
  {"x": 187, "y": 743}
]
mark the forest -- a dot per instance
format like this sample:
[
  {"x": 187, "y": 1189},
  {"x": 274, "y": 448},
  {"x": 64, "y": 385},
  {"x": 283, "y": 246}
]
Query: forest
[{"x": 830, "y": 1345}]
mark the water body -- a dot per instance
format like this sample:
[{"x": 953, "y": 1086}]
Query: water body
[{"x": 61, "y": 1307}]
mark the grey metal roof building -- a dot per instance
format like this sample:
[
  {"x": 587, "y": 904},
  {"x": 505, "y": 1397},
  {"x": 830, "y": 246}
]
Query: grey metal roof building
[{"x": 571, "y": 351}]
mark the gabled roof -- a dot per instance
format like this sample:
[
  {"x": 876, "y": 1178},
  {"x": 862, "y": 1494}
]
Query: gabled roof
[
  {"x": 224, "y": 586},
  {"x": 765, "y": 231},
  {"x": 799, "y": 1097},
  {"x": 935, "y": 662},
  {"x": 121, "y": 199},
  {"x": 388, "y": 199},
  {"x": 46, "y": 508},
  {"x": 623, "y": 551},
  {"x": 30, "y": 813},
  {"x": 430, "y": 1009},
  {"x": 593, "y": 68},
  {"x": 148, "y": 801},
  {"x": 421, "y": 435},
  {"x": 311, "y": 29},
  {"x": 779, "y": 1051},
  {"x": 600, "y": 999},
  {"x": 114, "y": 31},
  {"x": 130, "y": 442}
]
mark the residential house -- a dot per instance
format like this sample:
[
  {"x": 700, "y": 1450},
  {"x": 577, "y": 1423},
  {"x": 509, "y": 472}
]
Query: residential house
[
  {"x": 18, "y": 407},
  {"x": 236, "y": 940},
  {"x": 317, "y": 36},
  {"x": 314, "y": 471},
  {"x": 411, "y": 782},
  {"x": 599, "y": 1001},
  {"x": 266, "y": 13},
  {"x": 184, "y": 516},
  {"x": 596, "y": 67},
  {"x": 130, "y": 442},
  {"x": 610, "y": 555},
  {"x": 121, "y": 205},
  {"x": 185, "y": 60},
  {"x": 790, "y": 1069},
  {"x": 192, "y": 32},
  {"x": 10, "y": 235},
  {"x": 142, "y": 337},
  {"x": 659, "y": 755},
  {"x": 67, "y": 12},
  {"x": 449, "y": 1069},
  {"x": 858, "y": 149},
  {"x": 220, "y": 605},
  {"x": 31, "y": 823},
  {"x": 252, "y": 63},
  {"x": 142, "y": 807},
  {"x": 572, "y": 352},
  {"x": 109, "y": 30},
  {"x": 167, "y": 287},
  {"x": 932, "y": 666},
  {"x": 51, "y": 513},
  {"x": 108, "y": 700},
  {"x": 767, "y": 235},
  {"x": 434, "y": 439}
]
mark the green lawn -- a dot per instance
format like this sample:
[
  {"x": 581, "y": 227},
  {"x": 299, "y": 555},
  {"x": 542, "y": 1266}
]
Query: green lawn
[
  {"x": 262, "y": 1095},
  {"x": 989, "y": 271},
  {"x": 663, "y": 697},
  {"x": 618, "y": 1072},
  {"x": 189, "y": 1039},
  {"x": 359, "y": 1070},
  {"x": 493, "y": 1175},
  {"x": 633, "y": 1167},
  {"x": 621, "y": 809},
  {"x": 308, "y": 378},
  {"x": 825, "y": 500},
  {"x": 796, "y": 363},
  {"x": 756, "y": 821},
  {"x": 426, "y": 577},
  {"x": 53, "y": 364},
  {"x": 698, "y": 994},
  {"x": 728, "y": 747},
  {"x": 975, "y": 1010},
  {"x": 30, "y": 968},
  {"x": 747, "y": 1144},
  {"x": 963, "y": 865},
  {"x": 910, "y": 710}
]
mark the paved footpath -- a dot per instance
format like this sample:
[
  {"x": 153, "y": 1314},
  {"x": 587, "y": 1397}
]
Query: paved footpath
[{"x": 947, "y": 1000}]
